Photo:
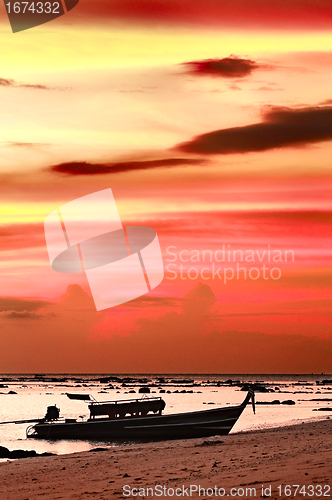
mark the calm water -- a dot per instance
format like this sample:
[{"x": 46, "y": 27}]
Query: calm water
[{"x": 34, "y": 395}]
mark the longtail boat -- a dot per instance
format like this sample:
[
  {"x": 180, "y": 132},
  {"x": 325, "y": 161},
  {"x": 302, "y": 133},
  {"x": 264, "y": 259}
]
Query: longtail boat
[{"x": 138, "y": 420}]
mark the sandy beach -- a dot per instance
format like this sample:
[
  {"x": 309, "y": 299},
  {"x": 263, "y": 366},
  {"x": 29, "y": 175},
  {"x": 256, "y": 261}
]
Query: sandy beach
[{"x": 199, "y": 468}]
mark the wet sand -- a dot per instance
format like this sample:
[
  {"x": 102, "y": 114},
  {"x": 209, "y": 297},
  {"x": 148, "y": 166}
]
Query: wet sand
[{"x": 295, "y": 455}]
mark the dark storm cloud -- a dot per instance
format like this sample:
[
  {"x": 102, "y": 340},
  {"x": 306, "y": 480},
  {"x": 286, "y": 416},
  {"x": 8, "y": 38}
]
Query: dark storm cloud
[
  {"x": 228, "y": 67},
  {"x": 282, "y": 127},
  {"x": 85, "y": 168}
]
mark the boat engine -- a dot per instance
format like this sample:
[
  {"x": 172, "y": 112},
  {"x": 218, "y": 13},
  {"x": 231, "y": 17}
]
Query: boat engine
[{"x": 53, "y": 413}]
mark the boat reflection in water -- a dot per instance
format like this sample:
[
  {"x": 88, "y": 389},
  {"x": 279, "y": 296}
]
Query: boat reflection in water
[{"x": 137, "y": 419}]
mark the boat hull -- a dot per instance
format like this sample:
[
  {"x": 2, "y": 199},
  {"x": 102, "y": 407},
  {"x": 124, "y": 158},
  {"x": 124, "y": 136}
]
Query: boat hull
[{"x": 204, "y": 423}]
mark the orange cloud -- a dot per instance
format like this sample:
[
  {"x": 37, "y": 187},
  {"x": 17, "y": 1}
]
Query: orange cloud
[{"x": 193, "y": 339}]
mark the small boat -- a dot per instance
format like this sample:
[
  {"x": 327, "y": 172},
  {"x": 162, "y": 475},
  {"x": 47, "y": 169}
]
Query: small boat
[{"x": 109, "y": 421}]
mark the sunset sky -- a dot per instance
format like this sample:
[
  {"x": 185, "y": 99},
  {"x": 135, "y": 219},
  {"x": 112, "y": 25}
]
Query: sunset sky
[{"x": 212, "y": 123}]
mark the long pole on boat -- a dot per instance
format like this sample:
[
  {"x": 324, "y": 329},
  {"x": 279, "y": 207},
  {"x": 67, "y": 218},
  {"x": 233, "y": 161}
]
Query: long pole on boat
[{"x": 23, "y": 421}]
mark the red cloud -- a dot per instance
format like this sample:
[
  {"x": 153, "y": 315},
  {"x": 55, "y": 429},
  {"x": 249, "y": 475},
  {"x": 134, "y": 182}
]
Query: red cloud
[
  {"x": 307, "y": 14},
  {"x": 228, "y": 67},
  {"x": 85, "y": 168}
]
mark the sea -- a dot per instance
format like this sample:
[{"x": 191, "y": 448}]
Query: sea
[{"x": 24, "y": 397}]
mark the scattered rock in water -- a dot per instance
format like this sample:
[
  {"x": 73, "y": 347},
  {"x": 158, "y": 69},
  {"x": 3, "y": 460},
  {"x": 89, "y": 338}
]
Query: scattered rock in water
[
  {"x": 274, "y": 402},
  {"x": 324, "y": 382},
  {"x": 106, "y": 380},
  {"x": 182, "y": 381},
  {"x": 256, "y": 387},
  {"x": 144, "y": 390},
  {"x": 318, "y": 399},
  {"x": 5, "y": 453}
]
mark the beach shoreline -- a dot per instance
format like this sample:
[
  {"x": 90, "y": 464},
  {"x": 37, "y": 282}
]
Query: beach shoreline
[{"x": 271, "y": 459}]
